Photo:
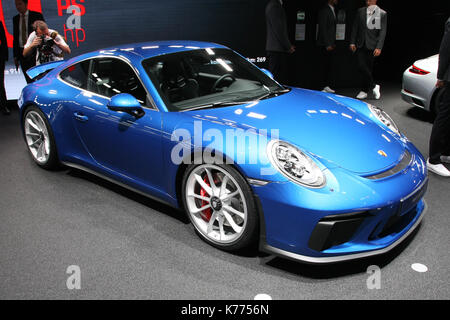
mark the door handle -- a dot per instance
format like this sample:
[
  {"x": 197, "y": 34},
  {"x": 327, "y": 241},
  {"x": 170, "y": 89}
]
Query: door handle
[{"x": 80, "y": 117}]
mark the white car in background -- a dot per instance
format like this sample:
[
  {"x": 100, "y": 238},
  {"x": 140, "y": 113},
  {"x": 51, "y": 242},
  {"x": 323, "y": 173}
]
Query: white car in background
[{"x": 419, "y": 84}]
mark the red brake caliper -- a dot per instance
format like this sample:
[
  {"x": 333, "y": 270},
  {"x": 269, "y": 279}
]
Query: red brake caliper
[{"x": 207, "y": 213}]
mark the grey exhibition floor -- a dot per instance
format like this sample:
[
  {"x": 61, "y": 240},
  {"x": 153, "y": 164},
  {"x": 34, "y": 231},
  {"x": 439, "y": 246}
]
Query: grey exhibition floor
[{"x": 129, "y": 247}]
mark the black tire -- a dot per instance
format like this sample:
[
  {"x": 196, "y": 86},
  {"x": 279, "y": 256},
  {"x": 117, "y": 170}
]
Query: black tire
[
  {"x": 52, "y": 162},
  {"x": 249, "y": 236}
]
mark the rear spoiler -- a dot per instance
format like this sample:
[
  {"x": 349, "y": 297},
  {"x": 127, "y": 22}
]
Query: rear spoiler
[{"x": 41, "y": 70}]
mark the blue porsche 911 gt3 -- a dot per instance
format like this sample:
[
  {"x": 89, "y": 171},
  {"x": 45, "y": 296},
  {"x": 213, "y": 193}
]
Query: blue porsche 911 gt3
[{"x": 307, "y": 175}]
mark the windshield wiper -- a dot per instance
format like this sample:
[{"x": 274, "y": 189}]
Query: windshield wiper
[
  {"x": 234, "y": 103},
  {"x": 274, "y": 93},
  {"x": 217, "y": 105}
]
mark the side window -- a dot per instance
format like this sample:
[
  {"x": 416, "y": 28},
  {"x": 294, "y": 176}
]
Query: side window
[
  {"x": 111, "y": 76},
  {"x": 77, "y": 74}
]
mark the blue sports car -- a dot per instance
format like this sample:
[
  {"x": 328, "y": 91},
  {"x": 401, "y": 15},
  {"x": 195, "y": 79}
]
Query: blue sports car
[{"x": 307, "y": 175}]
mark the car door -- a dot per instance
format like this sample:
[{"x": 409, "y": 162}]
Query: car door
[{"x": 119, "y": 143}]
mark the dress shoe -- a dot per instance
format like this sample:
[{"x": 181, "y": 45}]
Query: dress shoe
[
  {"x": 361, "y": 95},
  {"x": 439, "y": 169},
  {"x": 328, "y": 90},
  {"x": 376, "y": 92}
]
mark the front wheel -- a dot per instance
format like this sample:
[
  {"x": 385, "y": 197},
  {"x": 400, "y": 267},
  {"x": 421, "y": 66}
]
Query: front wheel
[
  {"x": 220, "y": 205},
  {"x": 39, "y": 138}
]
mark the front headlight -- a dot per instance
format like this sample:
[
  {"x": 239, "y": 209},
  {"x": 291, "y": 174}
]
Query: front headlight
[
  {"x": 295, "y": 165},
  {"x": 384, "y": 118}
]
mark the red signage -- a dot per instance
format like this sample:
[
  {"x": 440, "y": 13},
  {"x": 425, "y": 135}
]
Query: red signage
[
  {"x": 77, "y": 35},
  {"x": 63, "y": 5},
  {"x": 33, "y": 5}
]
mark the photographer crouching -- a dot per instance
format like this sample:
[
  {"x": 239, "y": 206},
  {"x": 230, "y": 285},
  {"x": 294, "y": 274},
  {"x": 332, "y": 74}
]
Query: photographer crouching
[{"x": 49, "y": 44}]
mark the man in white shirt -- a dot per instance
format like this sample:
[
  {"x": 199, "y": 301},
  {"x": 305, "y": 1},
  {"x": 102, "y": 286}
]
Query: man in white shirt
[{"x": 49, "y": 44}]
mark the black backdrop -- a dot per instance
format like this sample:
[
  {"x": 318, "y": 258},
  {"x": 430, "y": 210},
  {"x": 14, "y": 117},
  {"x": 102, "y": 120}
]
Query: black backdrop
[{"x": 414, "y": 31}]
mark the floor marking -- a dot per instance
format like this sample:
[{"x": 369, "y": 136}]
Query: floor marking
[
  {"x": 418, "y": 267},
  {"x": 263, "y": 296}
]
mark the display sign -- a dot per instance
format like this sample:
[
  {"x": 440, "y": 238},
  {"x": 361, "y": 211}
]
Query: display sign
[
  {"x": 300, "y": 32},
  {"x": 14, "y": 81},
  {"x": 340, "y": 32},
  {"x": 300, "y": 27},
  {"x": 301, "y": 16},
  {"x": 340, "y": 28}
]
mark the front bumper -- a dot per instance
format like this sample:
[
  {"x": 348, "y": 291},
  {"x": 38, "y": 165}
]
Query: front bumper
[
  {"x": 354, "y": 256},
  {"x": 351, "y": 218}
]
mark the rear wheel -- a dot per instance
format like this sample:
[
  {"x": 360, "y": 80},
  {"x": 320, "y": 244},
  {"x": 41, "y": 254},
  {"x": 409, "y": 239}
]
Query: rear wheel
[
  {"x": 220, "y": 205},
  {"x": 39, "y": 138}
]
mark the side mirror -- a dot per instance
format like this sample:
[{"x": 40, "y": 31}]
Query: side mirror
[
  {"x": 125, "y": 102},
  {"x": 267, "y": 72}
]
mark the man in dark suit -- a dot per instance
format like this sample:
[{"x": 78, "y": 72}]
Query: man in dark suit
[
  {"x": 3, "y": 59},
  {"x": 326, "y": 41},
  {"x": 278, "y": 45},
  {"x": 367, "y": 40},
  {"x": 22, "y": 28},
  {"x": 440, "y": 134}
]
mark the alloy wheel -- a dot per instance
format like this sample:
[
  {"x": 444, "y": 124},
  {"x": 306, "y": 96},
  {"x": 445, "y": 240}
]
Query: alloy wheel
[
  {"x": 37, "y": 137},
  {"x": 216, "y": 204}
]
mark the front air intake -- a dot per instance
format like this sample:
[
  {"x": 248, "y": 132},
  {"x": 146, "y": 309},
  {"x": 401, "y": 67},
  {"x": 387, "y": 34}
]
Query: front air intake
[{"x": 335, "y": 230}]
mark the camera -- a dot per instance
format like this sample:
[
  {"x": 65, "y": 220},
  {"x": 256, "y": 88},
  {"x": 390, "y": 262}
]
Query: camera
[{"x": 46, "y": 47}]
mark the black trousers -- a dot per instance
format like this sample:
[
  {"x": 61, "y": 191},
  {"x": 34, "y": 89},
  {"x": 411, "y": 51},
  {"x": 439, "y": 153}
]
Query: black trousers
[
  {"x": 366, "y": 60},
  {"x": 326, "y": 60},
  {"x": 440, "y": 134},
  {"x": 27, "y": 63},
  {"x": 278, "y": 66},
  {"x": 3, "y": 100}
]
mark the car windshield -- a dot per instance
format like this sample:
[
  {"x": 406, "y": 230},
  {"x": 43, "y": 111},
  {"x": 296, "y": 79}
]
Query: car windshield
[{"x": 208, "y": 78}]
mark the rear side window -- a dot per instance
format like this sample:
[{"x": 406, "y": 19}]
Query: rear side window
[
  {"x": 77, "y": 74},
  {"x": 111, "y": 76}
]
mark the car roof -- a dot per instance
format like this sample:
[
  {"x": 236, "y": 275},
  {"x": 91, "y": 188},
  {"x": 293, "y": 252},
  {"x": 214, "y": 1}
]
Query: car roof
[{"x": 145, "y": 50}]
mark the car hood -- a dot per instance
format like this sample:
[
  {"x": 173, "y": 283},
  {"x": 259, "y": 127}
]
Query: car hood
[{"x": 319, "y": 124}]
